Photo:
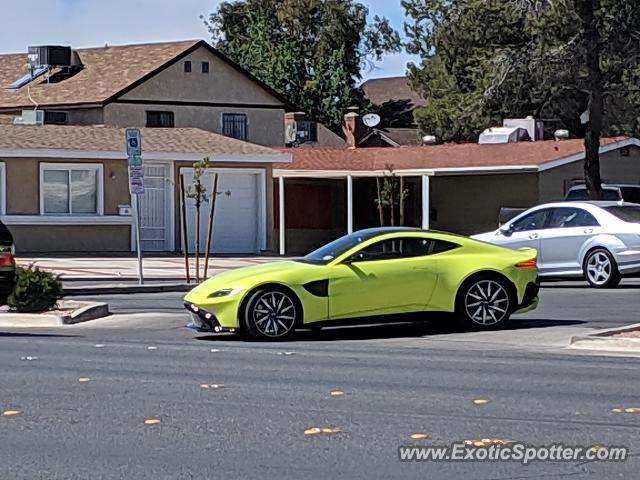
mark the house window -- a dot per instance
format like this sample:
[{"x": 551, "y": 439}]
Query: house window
[
  {"x": 308, "y": 131},
  {"x": 205, "y": 67},
  {"x": 187, "y": 66},
  {"x": 234, "y": 125},
  {"x": 71, "y": 189},
  {"x": 55, "y": 118},
  {"x": 160, "y": 119}
]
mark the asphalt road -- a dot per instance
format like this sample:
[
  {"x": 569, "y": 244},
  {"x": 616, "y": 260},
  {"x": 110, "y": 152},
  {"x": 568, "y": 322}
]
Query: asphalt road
[{"x": 254, "y": 426}]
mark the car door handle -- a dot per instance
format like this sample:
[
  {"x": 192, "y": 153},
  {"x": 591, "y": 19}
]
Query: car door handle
[
  {"x": 533, "y": 236},
  {"x": 588, "y": 230}
]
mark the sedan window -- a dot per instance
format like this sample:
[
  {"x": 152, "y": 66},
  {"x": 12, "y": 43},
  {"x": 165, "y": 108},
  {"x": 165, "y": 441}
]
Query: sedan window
[
  {"x": 626, "y": 213},
  {"x": 571, "y": 217},
  {"x": 532, "y": 221}
]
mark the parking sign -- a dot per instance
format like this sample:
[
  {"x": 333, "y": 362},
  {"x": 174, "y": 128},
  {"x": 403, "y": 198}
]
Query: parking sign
[{"x": 134, "y": 142}]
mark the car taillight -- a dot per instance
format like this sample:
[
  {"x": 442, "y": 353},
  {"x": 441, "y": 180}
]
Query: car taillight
[
  {"x": 7, "y": 260},
  {"x": 527, "y": 263}
]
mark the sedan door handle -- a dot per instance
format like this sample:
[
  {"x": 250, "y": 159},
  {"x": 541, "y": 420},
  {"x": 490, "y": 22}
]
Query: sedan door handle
[
  {"x": 533, "y": 236},
  {"x": 588, "y": 230}
]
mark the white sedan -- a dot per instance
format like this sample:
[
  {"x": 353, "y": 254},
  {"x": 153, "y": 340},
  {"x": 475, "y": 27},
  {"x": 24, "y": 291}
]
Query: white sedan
[{"x": 596, "y": 240}]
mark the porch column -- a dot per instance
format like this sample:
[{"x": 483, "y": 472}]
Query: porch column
[
  {"x": 349, "y": 204},
  {"x": 425, "y": 202},
  {"x": 281, "y": 226}
]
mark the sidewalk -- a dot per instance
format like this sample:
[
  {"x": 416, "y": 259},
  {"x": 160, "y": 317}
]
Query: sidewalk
[{"x": 125, "y": 269}]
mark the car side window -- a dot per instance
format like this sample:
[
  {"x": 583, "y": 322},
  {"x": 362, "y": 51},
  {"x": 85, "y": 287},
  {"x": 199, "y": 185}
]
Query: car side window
[
  {"x": 533, "y": 221},
  {"x": 571, "y": 217},
  {"x": 403, "y": 248}
]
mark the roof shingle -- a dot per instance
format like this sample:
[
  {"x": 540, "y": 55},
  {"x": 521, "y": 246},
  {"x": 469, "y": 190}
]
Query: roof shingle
[
  {"x": 106, "y": 71},
  {"x": 111, "y": 139},
  {"x": 467, "y": 155}
]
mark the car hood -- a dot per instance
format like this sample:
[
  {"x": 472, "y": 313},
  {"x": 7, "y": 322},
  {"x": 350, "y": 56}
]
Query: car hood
[{"x": 248, "y": 276}]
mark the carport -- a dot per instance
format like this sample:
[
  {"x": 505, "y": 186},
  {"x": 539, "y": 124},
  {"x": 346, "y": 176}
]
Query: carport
[{"x": 312, "y": 208}]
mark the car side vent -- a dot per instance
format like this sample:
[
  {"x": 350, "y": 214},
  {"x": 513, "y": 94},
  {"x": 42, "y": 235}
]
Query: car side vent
[{"x": 319, "y": 288}]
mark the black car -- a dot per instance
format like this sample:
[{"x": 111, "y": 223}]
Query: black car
[{"x": 7, "y": 264}]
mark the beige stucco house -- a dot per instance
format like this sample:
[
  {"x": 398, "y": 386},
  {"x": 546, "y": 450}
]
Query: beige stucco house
[
  {"x": 175, "y": 84},
  {"x": 65, "y": 189}
]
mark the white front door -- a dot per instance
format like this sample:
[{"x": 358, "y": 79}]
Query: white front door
[
  {"x": 155, "y": 215},
  {"x": 239, "y": 216}
]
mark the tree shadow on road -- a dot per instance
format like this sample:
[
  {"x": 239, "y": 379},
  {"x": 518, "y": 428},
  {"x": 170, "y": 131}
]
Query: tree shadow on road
[{"x": 404, "y": 326}]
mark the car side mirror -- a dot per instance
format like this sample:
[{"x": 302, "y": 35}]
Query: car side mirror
[{"x": 508, "y": 229}]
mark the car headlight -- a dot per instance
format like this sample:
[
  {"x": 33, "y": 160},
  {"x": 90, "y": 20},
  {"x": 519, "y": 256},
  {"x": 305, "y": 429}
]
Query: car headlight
[{"x": 221, "y": 293}]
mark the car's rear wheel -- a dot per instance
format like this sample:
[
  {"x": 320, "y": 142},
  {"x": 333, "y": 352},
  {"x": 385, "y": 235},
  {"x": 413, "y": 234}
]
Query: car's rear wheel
[
  {"x": 601, "y": 270},
  {"x": 485, "y": 302},
  {"x": 270, "y": 314}
]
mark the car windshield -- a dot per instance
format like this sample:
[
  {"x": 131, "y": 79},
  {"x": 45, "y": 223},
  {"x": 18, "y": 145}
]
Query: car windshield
[
  {"x": 325, "y": 254},
  {"x": 625, "y": 213}
]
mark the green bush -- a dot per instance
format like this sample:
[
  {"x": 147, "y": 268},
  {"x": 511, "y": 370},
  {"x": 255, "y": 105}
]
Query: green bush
[{"x": 35, "y": 290}]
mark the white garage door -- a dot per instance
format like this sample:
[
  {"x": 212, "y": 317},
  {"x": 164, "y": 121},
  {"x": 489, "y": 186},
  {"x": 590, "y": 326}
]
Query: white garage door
[{"x": 239, "y": 220}]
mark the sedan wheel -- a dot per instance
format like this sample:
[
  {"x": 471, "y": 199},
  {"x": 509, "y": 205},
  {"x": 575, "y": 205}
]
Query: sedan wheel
[
  {"x": 601, "y": 269},
  {"x": 271, "y": 314},
  {"x": 484, "y": 302}
]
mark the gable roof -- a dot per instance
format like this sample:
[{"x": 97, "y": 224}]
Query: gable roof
[
  {"x": 393, "y": 89},
  {"x": 108, "y": 72},
  {"x": 108, "y": 142},
  {"x": 443, "y": 159}
]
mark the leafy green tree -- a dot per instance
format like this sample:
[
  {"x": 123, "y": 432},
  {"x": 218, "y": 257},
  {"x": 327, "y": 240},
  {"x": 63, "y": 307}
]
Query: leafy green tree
[
  {"x": 555, "y": 59},
  {"x": 310, "y": 51}
]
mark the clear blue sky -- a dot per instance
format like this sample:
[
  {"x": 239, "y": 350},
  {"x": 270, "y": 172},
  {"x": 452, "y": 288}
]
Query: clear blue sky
[{"x": 84, "y": 23}]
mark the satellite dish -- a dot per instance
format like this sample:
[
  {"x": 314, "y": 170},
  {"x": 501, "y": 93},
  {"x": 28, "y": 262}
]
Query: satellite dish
[{"x": 371, "y": 120}]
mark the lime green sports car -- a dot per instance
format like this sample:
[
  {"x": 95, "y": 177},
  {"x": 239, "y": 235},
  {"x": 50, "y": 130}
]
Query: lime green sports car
[{"x": 371, "y": 272}]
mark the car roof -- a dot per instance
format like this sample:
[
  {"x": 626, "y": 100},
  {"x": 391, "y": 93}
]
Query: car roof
[{"x": 369, "y": 233}]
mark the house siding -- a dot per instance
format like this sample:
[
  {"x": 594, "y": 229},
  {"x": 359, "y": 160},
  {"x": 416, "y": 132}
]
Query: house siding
[
  {"x": 471, "y": 204},
  {"x": 71, "y": 238},
  {"x": 265, "y": 126},
  {"x": 614, "y": 168},
  {"x": 23, "y": 177}
]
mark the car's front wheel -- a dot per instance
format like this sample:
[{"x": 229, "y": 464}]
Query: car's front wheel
[
  {"x": 484, "y": 302},
  {"x": 601, "y": 269},
  {"x": 271, "y": 313}
]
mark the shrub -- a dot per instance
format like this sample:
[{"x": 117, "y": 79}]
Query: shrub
[{"x": 35, "y": 290}]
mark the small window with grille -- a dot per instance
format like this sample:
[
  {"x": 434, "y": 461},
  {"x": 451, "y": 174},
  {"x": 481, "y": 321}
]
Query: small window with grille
[
  {"x": 160, "y": 119},
  {"x": 234, "y": 125}
]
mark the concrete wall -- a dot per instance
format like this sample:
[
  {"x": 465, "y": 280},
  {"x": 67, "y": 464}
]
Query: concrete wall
[
  {"x": 470, "y": 204},
  {"x": 264, "y": 126},
  {"x": 23, "y": 180},
  {"x": 71, "y": 238},
  {"x": 271, "y": 246},
  {"x": 614, "y": 168}
]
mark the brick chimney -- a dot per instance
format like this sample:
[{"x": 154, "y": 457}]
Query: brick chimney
[{"x": 352, "y": 128}]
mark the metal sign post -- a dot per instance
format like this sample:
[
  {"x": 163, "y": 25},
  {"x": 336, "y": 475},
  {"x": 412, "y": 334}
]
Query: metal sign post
[{"x": 136, "y": 186}]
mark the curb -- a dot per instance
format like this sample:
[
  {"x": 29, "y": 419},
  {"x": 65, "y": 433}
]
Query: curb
[
  {"x": 125, "y": 289},
  {"x": 85, "y": 312},
  {"x": 602, "y": 340}
]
